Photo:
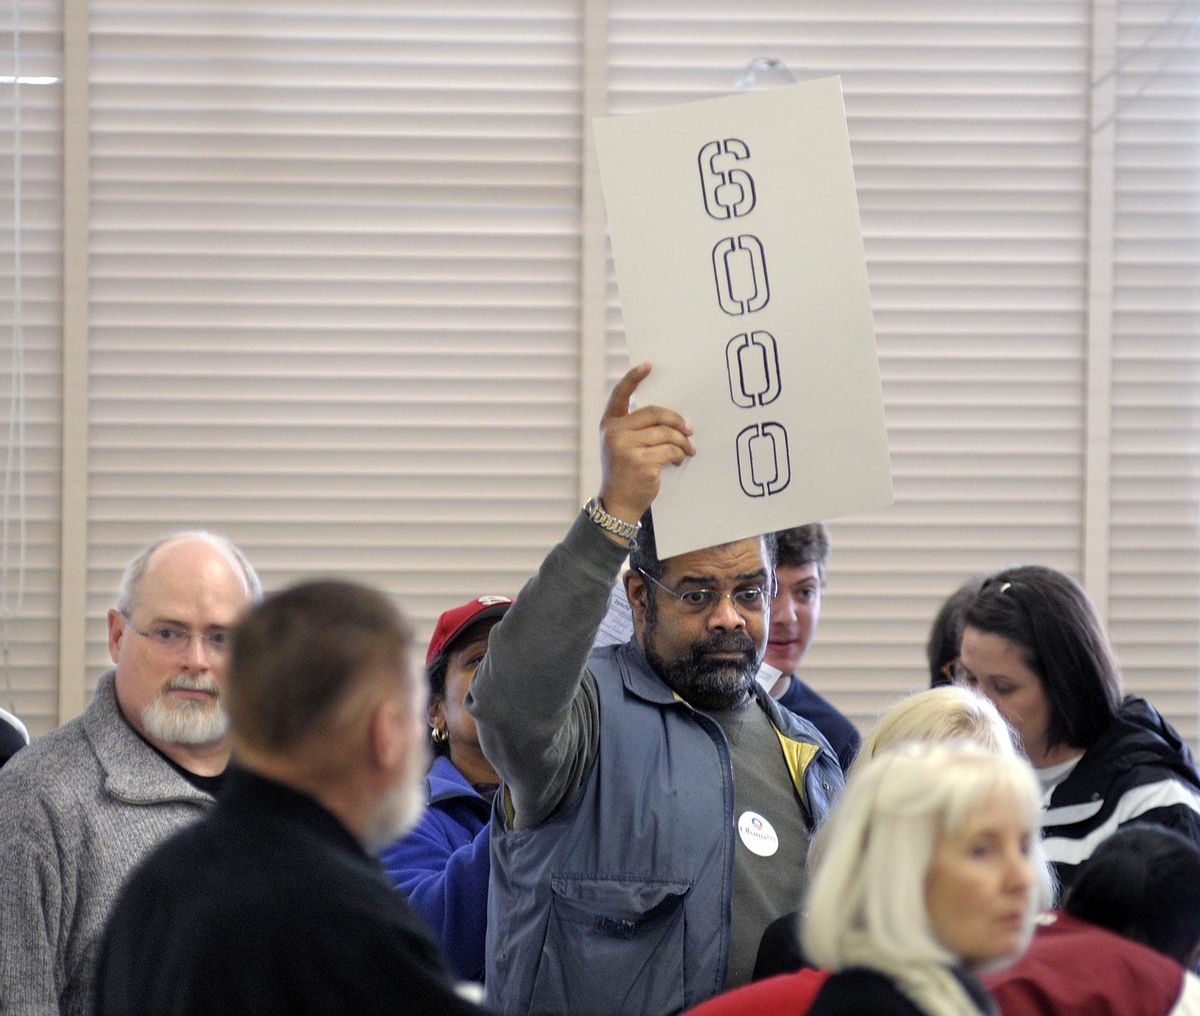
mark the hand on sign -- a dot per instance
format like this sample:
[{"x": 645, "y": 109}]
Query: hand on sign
[{"x": 634, "y": 447}]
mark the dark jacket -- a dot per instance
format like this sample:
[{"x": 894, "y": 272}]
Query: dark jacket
[
  {"x": 442, "y": 867},
  {"x": 619, "y": 902},
  {"x": 858, "y": 991},
  {"x": 1139, "y": 770},
  {"x": 270, "y": 906}
]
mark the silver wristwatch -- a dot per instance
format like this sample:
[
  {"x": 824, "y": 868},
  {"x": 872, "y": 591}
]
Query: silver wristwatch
[{"x": 594, "y": 510}]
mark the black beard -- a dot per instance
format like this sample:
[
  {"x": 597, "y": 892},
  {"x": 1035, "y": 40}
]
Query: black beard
[{"x": 704, "y": 683}]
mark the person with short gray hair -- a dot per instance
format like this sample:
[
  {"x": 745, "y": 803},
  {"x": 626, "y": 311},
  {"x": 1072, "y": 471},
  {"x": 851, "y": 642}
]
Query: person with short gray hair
[
  {"x": 273, "y": 903},
  {"x": 81, "y": 806}
]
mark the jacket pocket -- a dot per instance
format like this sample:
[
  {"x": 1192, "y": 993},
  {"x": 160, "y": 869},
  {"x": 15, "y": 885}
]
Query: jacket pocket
[{"x": 613, "y": 945}]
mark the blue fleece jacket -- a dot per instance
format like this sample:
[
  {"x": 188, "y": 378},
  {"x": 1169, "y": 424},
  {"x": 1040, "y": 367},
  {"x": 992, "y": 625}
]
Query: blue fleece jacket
[{"x": 442, "y": 866}]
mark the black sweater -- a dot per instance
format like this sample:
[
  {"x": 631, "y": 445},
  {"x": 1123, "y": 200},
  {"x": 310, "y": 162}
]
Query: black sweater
[{"x": 269, "y": 905}]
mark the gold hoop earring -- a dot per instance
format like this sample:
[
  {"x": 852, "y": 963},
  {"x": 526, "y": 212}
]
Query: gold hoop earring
[{"x": 440, "y": 735}]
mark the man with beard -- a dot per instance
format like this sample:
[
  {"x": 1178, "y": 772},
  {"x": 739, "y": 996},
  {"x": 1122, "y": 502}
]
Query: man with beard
[
  {"x": 275, "y": 904},
  {"x": 81, "y": 806},
  {"x": 657, "y": 804}
]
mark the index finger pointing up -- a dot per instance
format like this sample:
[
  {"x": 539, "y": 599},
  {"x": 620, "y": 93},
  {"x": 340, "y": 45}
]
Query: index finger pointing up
[{"x": 618, "y": 401}]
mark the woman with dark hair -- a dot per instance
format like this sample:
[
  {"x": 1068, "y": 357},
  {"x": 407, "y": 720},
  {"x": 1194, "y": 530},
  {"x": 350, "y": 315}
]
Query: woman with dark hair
[
  {"x": 945, "y": 634},
  {"x": 1033, "y": 643},
  {"x": 443, "y": 865}
]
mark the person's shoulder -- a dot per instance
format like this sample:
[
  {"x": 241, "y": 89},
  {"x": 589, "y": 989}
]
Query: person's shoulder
[
  {"x": 796, "y": 725},
  {"x": 1125, "y": 976},
  {"x": 445, "y": 782},
  {"x": 790, "y": 992},
  {"x": 1140, "y": 746},
  {"x": 806, "y": 701},
  {"x": 53, "y": 768},
  {"x": 210, "y": 860},
  {"x": 177, "y": 853},
  {"x": 858, "y": 990}
]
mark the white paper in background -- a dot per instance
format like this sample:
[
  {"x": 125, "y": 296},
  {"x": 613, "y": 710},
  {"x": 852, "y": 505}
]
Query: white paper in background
[
  {"x": 617, "y": 626},
  {"x": 739, "y": 259}
]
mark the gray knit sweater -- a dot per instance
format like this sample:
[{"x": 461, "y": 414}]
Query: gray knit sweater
[{"x": 79, "y": 808}]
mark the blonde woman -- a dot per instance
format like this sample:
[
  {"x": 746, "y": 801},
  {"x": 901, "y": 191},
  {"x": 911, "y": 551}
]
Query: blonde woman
[
  {"x": 933, "y": 715},
  {"x": 939, "y": 714},
  {"x": 928, "y": 869}
]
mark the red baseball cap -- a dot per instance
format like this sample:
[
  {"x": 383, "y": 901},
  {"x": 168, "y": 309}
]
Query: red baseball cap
[{"x": 453, "y": 621}]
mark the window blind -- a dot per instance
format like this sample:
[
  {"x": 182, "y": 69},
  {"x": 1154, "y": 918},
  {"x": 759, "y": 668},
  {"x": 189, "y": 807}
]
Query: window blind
[
  {"x": 1155, "y": 609},
  {"x": 969, "y": 127},
  {"x": 335, "y": 299},
  {"x": 334, "y": 283},
  {"x": 30, "y": 349}
]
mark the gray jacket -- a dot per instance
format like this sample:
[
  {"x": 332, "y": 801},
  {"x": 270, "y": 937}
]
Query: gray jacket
[
  {"x": 613, "y": 838},
  {"x": 79, "y": 808}
]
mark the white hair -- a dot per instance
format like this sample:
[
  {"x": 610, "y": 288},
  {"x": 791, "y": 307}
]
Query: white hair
[
  {"x": 186, "y": 722},
  {"x": 868, "y": 863},
  {"x": 940, "y": 714},
  {"x": 131, "y": 580}
]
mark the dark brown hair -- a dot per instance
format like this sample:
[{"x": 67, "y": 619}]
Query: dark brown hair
[
  {"x": 945, "y": 634},
  {"x": 803, "y": 545},
  {"x": 1048, "y": 615}
]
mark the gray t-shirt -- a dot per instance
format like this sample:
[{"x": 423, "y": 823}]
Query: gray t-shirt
[{"x": 770, "y": 831}]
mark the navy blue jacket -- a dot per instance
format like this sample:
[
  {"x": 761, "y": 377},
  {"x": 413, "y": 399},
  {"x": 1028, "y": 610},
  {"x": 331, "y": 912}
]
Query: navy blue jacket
[{"x": 841, "y": 734}]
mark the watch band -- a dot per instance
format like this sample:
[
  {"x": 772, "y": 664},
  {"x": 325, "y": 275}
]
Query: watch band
[{"x": 594, "y": 510}]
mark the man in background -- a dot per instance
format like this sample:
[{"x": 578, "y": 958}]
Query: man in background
[
  {"x": 81, "y": 806},
  {"x": 274, "y": 903},
  {"x": 795, "y": 612}
]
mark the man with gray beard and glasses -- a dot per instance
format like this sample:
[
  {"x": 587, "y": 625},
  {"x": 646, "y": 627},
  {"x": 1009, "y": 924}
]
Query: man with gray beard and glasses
[{"x": 81, "y": 806}]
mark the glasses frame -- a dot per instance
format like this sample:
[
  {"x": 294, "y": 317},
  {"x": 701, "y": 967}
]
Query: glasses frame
[
  {"x": 213, "y": 650},
  {"x": 956, "y": 673},
  {"x": 768, "y": 593}
]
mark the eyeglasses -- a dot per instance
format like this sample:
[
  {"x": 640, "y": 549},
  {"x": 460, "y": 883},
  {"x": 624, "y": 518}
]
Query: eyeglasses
[
  {"x": 171, "y": 638},
  {"x": 956, "y": 673},
  {"x": 745, "y": 599}
]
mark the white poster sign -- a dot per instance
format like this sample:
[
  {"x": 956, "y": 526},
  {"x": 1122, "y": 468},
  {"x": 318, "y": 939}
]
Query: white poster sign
[{"x": 739, "y": 259}]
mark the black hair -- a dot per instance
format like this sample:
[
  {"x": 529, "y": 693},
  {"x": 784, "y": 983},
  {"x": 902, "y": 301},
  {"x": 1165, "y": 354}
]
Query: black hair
[
  {"x": 1050, "y": 618},
  {"x": 945, "y": 634},
  {"x": 1143, "y": 882},
  {"x": 643, "y": 557},
  {"x": 435, "y": 675}
]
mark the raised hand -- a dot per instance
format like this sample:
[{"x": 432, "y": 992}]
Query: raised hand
[{"x": 634, "y": 447}]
